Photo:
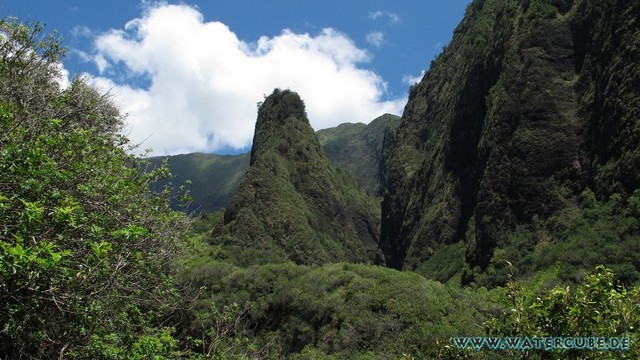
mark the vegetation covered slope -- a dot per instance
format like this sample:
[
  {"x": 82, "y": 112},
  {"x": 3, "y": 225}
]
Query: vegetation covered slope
[
  {"x": 357, "y": 149},
  {"x": 211, "y": 179},
  {"x": 292, "y": 204},
  {"x": 333, "y": 311},
  {"x": 533, "y": 107}
]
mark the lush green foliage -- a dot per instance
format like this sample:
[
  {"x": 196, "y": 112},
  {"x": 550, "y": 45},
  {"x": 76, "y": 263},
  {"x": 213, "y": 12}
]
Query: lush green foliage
[
  {"x": 445, "y": 264},
  {"x": 354, "y": 311},
  {"x": 600, "y": 307},
  {"x": 83, "y": 244},
  {"x": 335, "y": 311},
  {"x": 577, "y": 238},
  {"x": 88, "y": 253}
]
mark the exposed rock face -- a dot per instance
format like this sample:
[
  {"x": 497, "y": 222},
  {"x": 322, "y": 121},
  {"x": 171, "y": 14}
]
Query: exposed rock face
[
  {"x": 532, "y": 102},
  {"x": 292, "y": 204}
]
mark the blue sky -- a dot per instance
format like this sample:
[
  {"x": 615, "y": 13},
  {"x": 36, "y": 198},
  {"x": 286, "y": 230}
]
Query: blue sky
[{"x": 189, "y": 74}]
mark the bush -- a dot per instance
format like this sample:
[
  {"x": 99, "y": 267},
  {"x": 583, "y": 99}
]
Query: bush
[{"x": 598, "y": 307}]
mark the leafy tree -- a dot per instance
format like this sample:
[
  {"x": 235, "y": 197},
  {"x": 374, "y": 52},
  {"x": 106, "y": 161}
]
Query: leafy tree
[{"x": 84, "y": 245}]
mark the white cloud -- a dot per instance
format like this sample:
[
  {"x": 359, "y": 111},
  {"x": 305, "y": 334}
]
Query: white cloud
[
  {"x": 412, "y": 79},
  {"x": 375, "y": 15},
  {"x": 63, "y": 76},
  {"x": 375, "y": 38},
  {"x": 393, "y": 18},
  {"x": 204, "y": 82},
  {"x": 81, "y": 31}
]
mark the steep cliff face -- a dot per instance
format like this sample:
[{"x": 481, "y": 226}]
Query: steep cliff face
[
  {"x": 533, "y": 102},
  {"x": 607, "y": 49},
  {"x": 292, "y": 204}
]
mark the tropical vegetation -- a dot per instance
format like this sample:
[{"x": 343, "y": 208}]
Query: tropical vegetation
[{"x": 510, "y": 209}]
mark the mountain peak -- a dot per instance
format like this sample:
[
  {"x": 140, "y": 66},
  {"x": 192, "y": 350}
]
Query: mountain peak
[
  {"x": 292, "y": 204},
  {"x": 278, "y": 109},
  {"x": 280, "y": 105}
]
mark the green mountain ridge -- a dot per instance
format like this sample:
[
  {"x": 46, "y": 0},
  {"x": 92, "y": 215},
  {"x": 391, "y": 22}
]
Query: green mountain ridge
[
  {"x": 355, "y": 148},
  {"x": 517, "y": 124},
  {"x": 210, "y": 178}
]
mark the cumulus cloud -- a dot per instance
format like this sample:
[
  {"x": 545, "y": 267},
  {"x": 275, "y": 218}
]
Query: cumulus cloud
[
  {"x": 202, "y": 83},
  {"x": 375, "y": 15},
  {"x": 375, "y": 38}
]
